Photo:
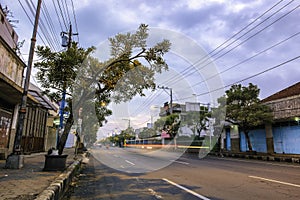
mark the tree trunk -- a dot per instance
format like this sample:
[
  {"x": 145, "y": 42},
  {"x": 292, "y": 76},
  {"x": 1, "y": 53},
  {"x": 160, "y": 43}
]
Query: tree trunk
[
  {"x": 248, "y": 140},
  {"x": 64, "y": 136}
]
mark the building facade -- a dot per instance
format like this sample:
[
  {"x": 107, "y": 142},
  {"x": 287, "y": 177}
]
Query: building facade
[
  {"x": 12, "y": 68},
  {"x": 281, "y": 137}
]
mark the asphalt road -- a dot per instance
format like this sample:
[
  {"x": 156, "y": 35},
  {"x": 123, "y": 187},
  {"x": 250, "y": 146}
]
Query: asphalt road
[{"x": 117, "y": 173}]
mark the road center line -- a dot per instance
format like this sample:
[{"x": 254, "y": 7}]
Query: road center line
[
  {"x": 186, "y": 189},
  {"x": 184, "y": 163},
  {"x": 274, "y": 181},
  {"x": 129, "y": 162}
]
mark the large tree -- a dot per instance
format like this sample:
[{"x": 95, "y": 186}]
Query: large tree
[
  {"x": 129, "y": 71},
  {"x": 243, "y": 108}
]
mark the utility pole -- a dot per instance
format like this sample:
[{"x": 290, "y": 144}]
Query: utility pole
[
  {"x": 171, "y": 96},
  {"x": 16, "y": 160},
  {"x": 63, "y": 101}
]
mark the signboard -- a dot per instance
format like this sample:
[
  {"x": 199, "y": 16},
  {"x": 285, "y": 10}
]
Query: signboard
[{"x": 164, "y": 134}]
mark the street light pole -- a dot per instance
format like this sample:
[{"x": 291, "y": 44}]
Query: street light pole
[
  {"x": 16, "y": 161},
  {"x": 62, "y": 104}
]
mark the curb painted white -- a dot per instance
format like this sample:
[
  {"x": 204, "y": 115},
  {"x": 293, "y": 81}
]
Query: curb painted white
[{"x": 60, "y": 185}]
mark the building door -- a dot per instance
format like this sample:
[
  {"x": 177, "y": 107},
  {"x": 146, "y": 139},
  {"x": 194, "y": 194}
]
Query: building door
[{"x": 5, "y": 123}]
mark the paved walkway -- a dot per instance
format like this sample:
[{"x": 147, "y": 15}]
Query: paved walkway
[{"x": 31, "y": 180}]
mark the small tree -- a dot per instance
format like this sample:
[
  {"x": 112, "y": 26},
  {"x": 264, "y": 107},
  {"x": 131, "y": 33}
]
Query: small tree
[
  {"x": 169, "y": 123},
  {"x": 147, "y": 133},
  {"x": 198, "y": 119},
  {"x": 245, "y": 109}
]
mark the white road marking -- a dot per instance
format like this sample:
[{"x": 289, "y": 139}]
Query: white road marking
[
  {"x": 154, "y": 194},
  {"x": 122, "y": 166},
  {"x": 274, "y": 181},
  {"x": 184, "y": 163},
  {"x": 129, "y": 162},
  {"x": 116, "y": 156},
  {"x": 187, "y": 190}
]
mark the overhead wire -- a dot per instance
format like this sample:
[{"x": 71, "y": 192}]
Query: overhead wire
[
  {"x": 66, "y": 10},
  {"x": 247, "y": 59},
  {"x": 58, "y": 17},
  {"x": 50, "y": 23},
  {"x": 207, "y": 57},
  {"x": 43, "y": 28},
  {"x": 260, "y": 32},
  {"x": 281, "y": 17},
  {"x": 75, "y": 21},
  {"x": 29, "y": 18},
  {"x": 62, "y": 15},
  {"x": 247, "y": 78},
  {"x": 146, "y": 104}
]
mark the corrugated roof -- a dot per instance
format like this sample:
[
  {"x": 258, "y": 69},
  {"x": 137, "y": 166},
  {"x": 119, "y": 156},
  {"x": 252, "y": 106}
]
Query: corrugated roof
[{"x": 43, "y": 100}]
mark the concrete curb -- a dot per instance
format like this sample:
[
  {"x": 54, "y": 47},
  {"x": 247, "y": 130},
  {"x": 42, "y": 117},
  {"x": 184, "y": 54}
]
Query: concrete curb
[
  {"x": 60, "y": 185},
  {"x": 278, "y": 158}
]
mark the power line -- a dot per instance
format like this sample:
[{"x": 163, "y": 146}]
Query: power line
[
  {"x": 65, "y": 6},
  {"x": 145, "y": 104},
  {"x": 31, "y": 21},
  {"x": 51, "y": 25},
  {"x": 247, "y": 78},
  {"x": 253, "y": 35},
  {"x": 186, "y": 71},
  {"x": 43, "y": 28},
  {"x": 60, "y": 24},
  {"x": 255, "y": 55},
  {"x": 75, "y": 21},
  {"x": 62, "y": 14}
]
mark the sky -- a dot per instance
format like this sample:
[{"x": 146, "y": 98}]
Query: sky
[{"x": 255, "y": 41}]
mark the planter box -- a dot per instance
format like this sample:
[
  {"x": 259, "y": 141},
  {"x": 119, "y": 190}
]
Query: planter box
[{"x": 55, "y": 162}]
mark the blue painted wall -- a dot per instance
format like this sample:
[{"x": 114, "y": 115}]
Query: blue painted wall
[
  {"x": 257, "y": 138},
  {"x": 228, "y": 140},
  {"x": 287, "y": 139}
]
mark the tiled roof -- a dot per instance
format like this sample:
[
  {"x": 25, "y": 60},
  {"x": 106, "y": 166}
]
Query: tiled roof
[{"x": 287, "y": 92}]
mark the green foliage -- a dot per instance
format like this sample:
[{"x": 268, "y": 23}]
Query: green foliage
[
  {"x": 123, "y": 76},
  {"x": 57, "y": 70},
  {"x": 245, "y": 109},
  {"x": 198, "y": 119},
  {"x": 127, "y": 134},
  {"x": 147, "y": 133},
  {"x": 89, "y": 81},
  {"x": 170, "y": 123}
]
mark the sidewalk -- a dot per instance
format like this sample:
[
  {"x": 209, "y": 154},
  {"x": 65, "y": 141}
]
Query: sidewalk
[{"x": 31, "y": 180}]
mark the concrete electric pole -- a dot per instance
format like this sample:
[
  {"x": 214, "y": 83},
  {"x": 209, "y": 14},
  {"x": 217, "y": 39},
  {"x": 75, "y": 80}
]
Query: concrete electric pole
[
  {"x": 16, "y": 160},
  {"x": 171, "y": 96}
]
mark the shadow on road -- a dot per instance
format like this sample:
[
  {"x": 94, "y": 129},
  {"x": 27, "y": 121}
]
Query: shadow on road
[{"x": 98, "y": 181}]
